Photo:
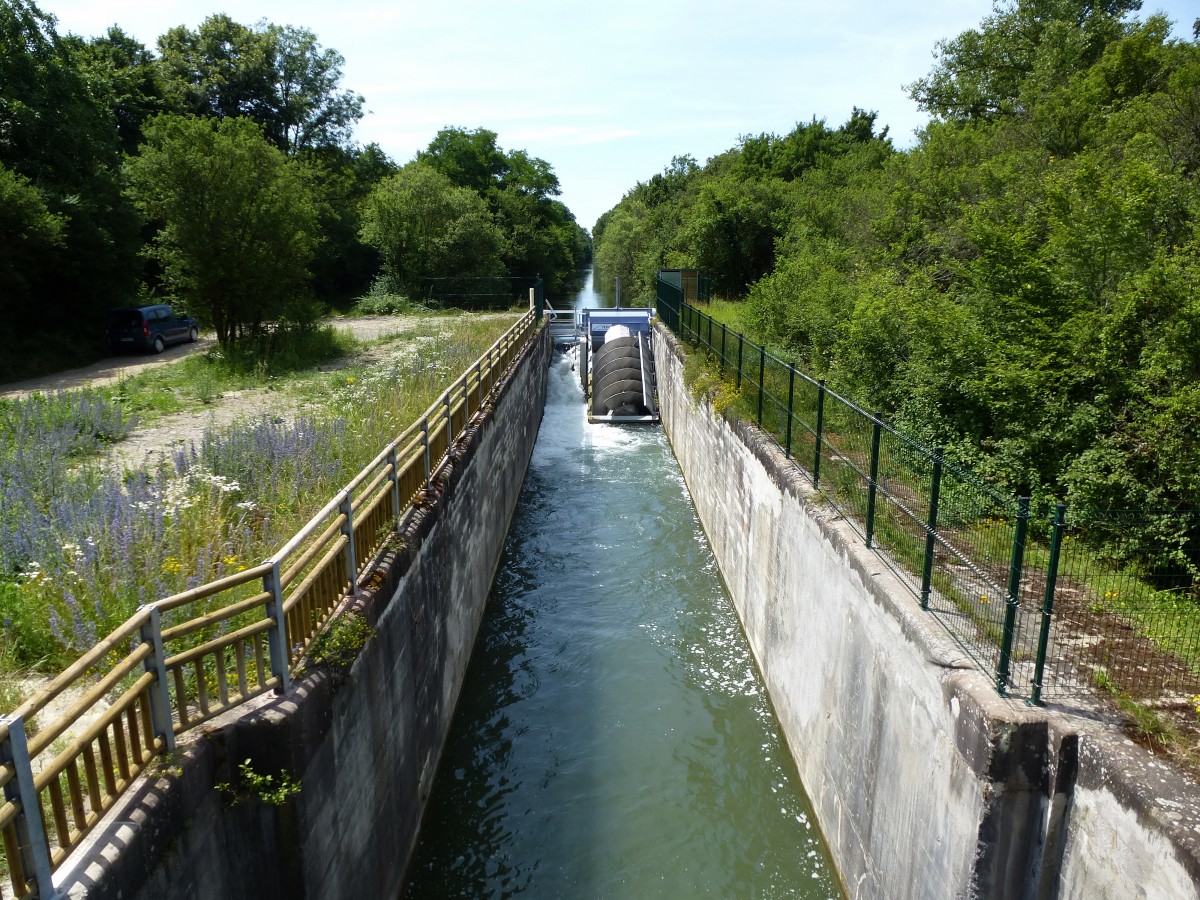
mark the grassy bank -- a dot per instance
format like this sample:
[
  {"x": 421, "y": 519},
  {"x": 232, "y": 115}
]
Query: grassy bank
[{"x": 84, "y": 542}]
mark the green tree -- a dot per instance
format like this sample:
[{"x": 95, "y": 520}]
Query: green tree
[
  {"x": 59, "y": 135},
  {"x": 30, "y": 240},
  {"x": 982, "y": 73},
  {"x": 342, "y": 180},
  {"x": 311, "y": 109},
  {"x": 237, "y": 221},
  {"x": 732, "y": 229},
  {"x": 127, "y": 80},
  {"x": 425, "y": 226},
  {"x": 541, "y": 236},
  {"x": 279, "y": 76},
  {"x": 221, "y": 70},
  {"x": 625, "y": 249},
  {"x": 469, "y": 158}
]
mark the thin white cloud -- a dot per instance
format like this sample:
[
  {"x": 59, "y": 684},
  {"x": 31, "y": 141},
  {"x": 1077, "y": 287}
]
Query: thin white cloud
[{"x": 570, "y": 135}]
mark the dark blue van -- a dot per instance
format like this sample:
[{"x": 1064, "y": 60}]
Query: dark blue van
[{"x": 148, "y": 328}]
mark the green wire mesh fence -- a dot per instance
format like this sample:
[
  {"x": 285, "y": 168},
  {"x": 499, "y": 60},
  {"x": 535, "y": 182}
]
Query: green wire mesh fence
[{"x": 1049, "y": 606}]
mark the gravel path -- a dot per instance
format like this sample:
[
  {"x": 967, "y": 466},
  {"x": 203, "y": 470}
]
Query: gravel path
[
  {"x": 144, "y": 447},
  {"x": 114, "y": 368}
]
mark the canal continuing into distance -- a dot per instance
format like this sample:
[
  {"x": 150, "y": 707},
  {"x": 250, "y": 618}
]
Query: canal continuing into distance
[{"x": 613, "y": 738}]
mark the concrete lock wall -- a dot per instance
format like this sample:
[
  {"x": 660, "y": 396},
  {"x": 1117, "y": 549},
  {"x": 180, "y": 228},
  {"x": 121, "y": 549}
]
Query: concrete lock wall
[
  {"x": 363, "y": 743},
  {"x": 925, "y": 782}
]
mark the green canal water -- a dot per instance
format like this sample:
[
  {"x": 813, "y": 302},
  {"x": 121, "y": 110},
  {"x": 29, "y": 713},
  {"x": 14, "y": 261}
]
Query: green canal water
[{"x": 613, "y": 738}]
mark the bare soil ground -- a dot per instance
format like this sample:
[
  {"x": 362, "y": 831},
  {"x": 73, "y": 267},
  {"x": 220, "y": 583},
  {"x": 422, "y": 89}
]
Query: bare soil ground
[
  {"x": 114, "y": 368},
  {"x": 144, "y": 446}
]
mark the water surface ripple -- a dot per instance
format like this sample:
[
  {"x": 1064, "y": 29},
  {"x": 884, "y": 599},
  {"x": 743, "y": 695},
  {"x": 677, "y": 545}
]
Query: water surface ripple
[{"x": 613, "y": 738}]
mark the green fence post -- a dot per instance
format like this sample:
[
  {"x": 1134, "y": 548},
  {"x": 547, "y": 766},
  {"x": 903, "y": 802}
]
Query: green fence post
[
  {"x": 787, "y": 444},
  {"x": 1013, "y": 600},
  {"x": 721, "y": 364},
  {"x": 935, "y": 494},
  {"x": 762, "y": 368},
  {"x": 820, "y": 426},
  {"x": 710, "y": 321},
  {"x": 872, "y": 484},
  {"x": 741, "y": 341},
  {"x": 1056, "y": 536}
]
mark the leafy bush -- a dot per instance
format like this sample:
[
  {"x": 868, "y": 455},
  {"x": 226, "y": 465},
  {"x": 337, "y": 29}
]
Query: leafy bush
[{"x": 385, "y": 300}]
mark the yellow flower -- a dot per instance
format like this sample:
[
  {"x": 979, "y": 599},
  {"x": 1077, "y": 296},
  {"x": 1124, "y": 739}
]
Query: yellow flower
[
  {"x": 983, "y": 598},
  {"x": 171, "y": 566},
  {"x": 230, "y": 560}
]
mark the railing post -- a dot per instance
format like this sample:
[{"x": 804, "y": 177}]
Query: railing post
[
  {"x": 817, "y": 437},
  {"x": 787, "y": 444},
  {"x": 710, "y": 321},
  {"x": 1013, "y": 600},
  {"x": 346, "y": 508},
  {"x": 277, "y": 637},
  {"x": 873, "y": 482},
  {"x": 425, "y": 440},
  {"x": 721, "y": 363},
  {"x": 762, "y": 367},
  {"x": 931, "y": 524},
  {"x": 394, "y": 463},
  {"x": 160, "y": 697},
  {"x": 1056, "y": 536},
  {"x": 449, "y": 420},
  {"x": 31, "y": 831}
]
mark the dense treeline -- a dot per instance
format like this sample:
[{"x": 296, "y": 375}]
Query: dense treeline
[
  {"x": 464, "y": 209},
  {"x": 1022, "y": 286},
  {"x": 220, "y": 172}
]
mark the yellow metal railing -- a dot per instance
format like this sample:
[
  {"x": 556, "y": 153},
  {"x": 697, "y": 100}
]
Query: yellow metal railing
[{"x": 182, "y": 660}]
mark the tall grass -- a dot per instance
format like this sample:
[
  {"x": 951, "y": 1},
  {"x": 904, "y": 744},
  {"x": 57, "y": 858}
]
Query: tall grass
[{"x": 83, "y": 544}]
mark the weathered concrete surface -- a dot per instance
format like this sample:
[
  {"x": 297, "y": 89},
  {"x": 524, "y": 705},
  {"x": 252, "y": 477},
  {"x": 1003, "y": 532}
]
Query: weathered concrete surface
[
  {"x": 363, "y": 744},
  {"x": 925, "y": 782}
]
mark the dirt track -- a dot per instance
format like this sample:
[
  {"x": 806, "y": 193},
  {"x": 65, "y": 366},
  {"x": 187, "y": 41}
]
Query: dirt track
[
  {"x": 114, "y": 368},
  {"x": 145, "y": 446}
]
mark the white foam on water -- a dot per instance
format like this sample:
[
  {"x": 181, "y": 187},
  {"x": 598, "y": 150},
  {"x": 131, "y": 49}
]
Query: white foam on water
[{"x": 565, "y": 430}]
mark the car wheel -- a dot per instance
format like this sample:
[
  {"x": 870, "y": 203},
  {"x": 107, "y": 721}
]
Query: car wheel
[
  {"x": 159, "y": 344},
  {"x": 194, "y": 334}
]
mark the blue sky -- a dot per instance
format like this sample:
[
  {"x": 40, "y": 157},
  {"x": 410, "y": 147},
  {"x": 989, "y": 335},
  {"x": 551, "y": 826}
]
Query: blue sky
[{"x": 606, "y": 91}]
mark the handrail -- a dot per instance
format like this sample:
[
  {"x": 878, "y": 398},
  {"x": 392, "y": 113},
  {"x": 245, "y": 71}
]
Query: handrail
[
  {"x": 81, "y": 666},
  {"x": 289, "y": 601}
]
